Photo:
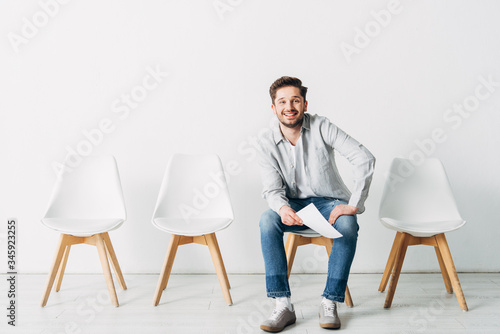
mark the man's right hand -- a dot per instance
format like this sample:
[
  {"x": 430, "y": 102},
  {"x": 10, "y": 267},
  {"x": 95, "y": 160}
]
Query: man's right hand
[{"x": 289, "y": 217}]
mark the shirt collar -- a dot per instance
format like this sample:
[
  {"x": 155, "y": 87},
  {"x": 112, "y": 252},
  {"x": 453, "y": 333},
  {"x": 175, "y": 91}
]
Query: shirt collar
[{"x": 306, "y": 124}]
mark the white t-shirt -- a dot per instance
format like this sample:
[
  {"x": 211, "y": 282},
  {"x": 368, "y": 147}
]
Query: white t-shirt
[{"x": 303, "y": 188}]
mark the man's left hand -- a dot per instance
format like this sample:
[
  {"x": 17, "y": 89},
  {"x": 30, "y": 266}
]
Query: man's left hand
[{"x": 341, "y": 209}]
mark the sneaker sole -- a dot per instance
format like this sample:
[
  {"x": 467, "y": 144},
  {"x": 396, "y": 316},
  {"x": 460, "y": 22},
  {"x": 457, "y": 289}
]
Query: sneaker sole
[
  {"x": 329, "y": 325},
  {"x": 277, "y": 329}
]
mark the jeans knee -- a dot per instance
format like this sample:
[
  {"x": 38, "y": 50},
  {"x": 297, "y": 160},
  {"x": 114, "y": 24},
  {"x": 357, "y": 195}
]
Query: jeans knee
[
  {"x": 269, "y": 221},
  {"x": 347, "y": 226}
]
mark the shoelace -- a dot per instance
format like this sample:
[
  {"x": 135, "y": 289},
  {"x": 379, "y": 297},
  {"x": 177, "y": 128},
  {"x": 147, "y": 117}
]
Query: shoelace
[
  {"x": 276, "y": 312},
  {"x": 329, "y": 309}
]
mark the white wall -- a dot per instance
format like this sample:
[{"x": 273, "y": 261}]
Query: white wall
[{"x": 69, "y": 73}]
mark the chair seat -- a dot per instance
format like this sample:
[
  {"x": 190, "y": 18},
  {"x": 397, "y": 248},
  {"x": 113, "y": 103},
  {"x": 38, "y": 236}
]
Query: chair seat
[
  {"x": 82, "y": 227},
  {"x": 308, "y": 233},
  {"x": 191, "y": 227},
  {"x": 422, "y": 229}
]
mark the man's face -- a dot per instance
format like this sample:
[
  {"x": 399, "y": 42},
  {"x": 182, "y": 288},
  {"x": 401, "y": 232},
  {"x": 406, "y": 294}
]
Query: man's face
[{"x": 289, "y": 106}]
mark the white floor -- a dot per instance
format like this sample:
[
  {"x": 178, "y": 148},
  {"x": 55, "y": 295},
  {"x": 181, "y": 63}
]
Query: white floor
[{"x": 194, "y": 304}]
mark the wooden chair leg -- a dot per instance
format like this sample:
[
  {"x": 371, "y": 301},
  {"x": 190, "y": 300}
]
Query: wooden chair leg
[
  {"x": 446, "y": 277},
  {"x": 348, "y": 299},
  {"x": 61, "y": 248},
  {"x": 290, "y": 250},
  {"x": 226, "y": 280},
  {"x": 390, "y": 262},
  {"x": 452, "y": 272},
  {"x": 397, "y": 269},
  {"x": 328, "y": 243},
  {"x": 114, "y": 260},
  {"x": 219, "y": 266},
  {"x": 171, "y": 253},
  {"x": 103, "y": 256},
  {"x": 167, "y": 267},
  {"x": 62, "y": 268}
]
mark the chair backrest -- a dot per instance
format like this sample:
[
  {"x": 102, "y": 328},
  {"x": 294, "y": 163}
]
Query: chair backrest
[
  {"x": 418, "y": 193},
  {"x": 92, "y": 190},
  {"x": 194, "y": 186}
]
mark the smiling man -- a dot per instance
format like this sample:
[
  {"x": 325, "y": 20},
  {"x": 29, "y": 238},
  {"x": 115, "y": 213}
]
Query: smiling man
[{"x": 298, "y": 168}]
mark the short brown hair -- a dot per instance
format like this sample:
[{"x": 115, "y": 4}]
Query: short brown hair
[{"x": 284, "y": 82}]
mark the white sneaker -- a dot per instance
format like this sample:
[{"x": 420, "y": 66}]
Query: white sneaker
[
  {"x": 328, "y": 317},
  {"x": 281, "y": 317}
]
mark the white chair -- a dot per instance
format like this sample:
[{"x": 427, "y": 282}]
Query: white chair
[
  {"x": 418, "y": 203},
  {"x": 87, "y": 202},
  {"x": 192, "y": 205},
  {"x": 306, "y": 237}
]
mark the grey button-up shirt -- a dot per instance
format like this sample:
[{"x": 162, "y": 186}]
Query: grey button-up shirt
[{"x": 320, "y": 139}]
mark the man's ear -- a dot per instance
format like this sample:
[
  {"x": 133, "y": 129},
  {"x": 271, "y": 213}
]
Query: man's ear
[
  {"x": 305, "y": 106},
  {"x": 273, "y": 107}
]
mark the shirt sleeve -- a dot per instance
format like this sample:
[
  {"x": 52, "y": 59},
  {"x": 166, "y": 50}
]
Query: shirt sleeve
[
  {"x": 274, "y": 191},
  {"x": 362, "y": 161}
]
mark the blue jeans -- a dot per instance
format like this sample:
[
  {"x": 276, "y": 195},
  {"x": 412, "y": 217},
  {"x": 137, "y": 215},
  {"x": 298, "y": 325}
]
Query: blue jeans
[{"x": 339, "y": 263}]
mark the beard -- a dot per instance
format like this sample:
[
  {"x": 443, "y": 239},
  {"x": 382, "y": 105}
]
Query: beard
[{"x": 297, "y": 122}]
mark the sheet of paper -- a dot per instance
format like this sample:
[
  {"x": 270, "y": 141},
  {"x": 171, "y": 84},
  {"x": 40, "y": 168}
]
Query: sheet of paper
[{"x": 311, "y": 217}]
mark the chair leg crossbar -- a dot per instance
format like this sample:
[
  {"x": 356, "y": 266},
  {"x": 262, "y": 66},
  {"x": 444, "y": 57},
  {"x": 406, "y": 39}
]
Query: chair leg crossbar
[
  {"x": 105, "y": 251},
  {"x": 295, "y": 240},
  {"x": 396, "y": 258},
  {"x": 208, "y": 240}
]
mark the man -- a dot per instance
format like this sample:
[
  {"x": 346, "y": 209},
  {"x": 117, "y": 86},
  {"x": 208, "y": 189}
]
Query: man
[{"x": 298, "y": 168}]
